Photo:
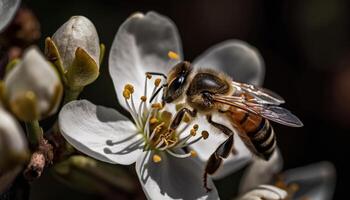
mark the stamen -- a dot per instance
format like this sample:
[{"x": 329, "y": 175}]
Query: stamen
[
  {"x": 157, "y": 106},
  {"x": 129, "y": 87},
  {"x": 179, "y": 106},
  {"x": 143, "y": 98},
  {"x": 195, "y": 127},
  {"x": 205, "y": 134},
  {"x": 126, "y": 94},
  {"x": 157, "y": 82},
  {"x": 193, "y": 132},
  {"x": 193, "y": 153},
  {"x": 148, "y": 75},
  {"x": 156, "y": 158},
  {"x": 173, "y": 55},
  {"x": 153, "y": 120},
  {"x": 186, "y": 118}
]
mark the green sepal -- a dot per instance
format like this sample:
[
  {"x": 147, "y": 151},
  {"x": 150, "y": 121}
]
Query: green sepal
[
  {"x": 83, "y": 71},
  {"x": 53, "y": 55}
]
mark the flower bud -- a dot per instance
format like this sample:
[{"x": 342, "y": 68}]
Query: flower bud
[
  {"x": 13, "y": 149},
  {"x": 76, "y": 44},
  {"x": 33, "y": 88}
]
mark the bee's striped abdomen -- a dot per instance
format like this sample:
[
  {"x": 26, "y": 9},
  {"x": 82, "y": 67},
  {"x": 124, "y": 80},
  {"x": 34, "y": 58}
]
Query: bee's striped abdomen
[{"x": 262, "y": 139}]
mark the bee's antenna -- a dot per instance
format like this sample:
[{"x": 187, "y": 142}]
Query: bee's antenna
[{"x": 156, "y": 93}]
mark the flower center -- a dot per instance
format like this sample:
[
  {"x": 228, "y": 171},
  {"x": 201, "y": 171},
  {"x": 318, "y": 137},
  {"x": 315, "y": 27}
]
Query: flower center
[{"x": 153, "y": 121}]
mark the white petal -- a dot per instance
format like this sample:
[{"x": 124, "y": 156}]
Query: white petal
[
  {"x": 205, "y": 148},
  {"x": 11, "y": 136},
  {"x": 316, "y": 181},
  {"x": 34, "y": 73},
  {"x": 8, "y": 9},
  {"x": 172, "y": 178},
  {"x": 265, "y": 192},
  {"x": 89, "y": 128},
  {"x": 141, "y": 45},
  {"x": 261, "y": 172},
  {"x": 78, "y": 31},
  {"x": 238, "y": 59}
]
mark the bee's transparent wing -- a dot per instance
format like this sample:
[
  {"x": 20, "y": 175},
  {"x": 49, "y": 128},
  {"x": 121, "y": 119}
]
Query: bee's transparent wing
[
  {"x": 270, "y": 112},
  {"x": 259, "y": 95}
]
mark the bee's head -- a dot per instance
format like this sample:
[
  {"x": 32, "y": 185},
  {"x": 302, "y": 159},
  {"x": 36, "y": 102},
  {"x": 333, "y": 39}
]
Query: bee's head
[{"x": 177, "y": 81}]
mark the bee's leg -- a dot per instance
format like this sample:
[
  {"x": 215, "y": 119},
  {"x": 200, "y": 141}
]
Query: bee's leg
[
  {"x": 222, "y": 152},
  {"x": 179, "y": 115},
  {"x": 216, "y": 159},
  {"x": 227, "y": 131}
]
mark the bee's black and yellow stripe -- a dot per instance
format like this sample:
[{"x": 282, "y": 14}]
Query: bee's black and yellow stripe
[{"x": 258, "y": 130}]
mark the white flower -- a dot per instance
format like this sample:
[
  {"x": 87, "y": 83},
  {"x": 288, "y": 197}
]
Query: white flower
[
  {"x": 33, "y": 88},
  {"x": 76, "y": 48},
  {"x": 315, "y": 181},
  {"x": 13, "y": 149},
  {"x": 142, "y": 45},
  {"x": 8, "y": 10}
]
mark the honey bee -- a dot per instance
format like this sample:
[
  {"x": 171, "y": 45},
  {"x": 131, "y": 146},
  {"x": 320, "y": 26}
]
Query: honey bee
[{"x": 247, "y": 107}]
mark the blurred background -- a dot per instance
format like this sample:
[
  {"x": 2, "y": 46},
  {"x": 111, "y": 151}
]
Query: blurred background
[{"x": 305, "y": 45}]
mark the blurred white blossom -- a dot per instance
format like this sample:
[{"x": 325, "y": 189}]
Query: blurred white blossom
[
  {"x": 33, "y": 89},
  {"x": 13, "y": 149},
  {"x": 8, "y": 10}
]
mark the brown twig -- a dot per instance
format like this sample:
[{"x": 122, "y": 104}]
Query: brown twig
[{"x": 42, "y": 157}]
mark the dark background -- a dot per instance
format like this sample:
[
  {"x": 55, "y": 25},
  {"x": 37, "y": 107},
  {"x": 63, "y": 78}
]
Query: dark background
[{"x": 305, "y": 45}]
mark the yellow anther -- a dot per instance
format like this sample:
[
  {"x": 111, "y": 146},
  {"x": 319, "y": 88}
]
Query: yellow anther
[
  {"x": 129, "y": 87},
  {"x": 157, "y": 106},
  {"x": 193, "y": 132},
  {"x": 205, "y": 134},
  {"x": 153, "y": 120},
  {"x": 166, "y": 116},
  {"x": 126, "y": 94},
  {"x": 156, "y": 158},
  {"x": 186, "y": 118},
  {"x": 195, "y": 127},
  {"x": 148, "y": 75},
  {"x": 143, "y": 98},
  {"x": 179, "y": 106},
  {"x": 173, "y": 55},
  {"x": 193, "y": 153},
  {"x": 157, "y": 82}
]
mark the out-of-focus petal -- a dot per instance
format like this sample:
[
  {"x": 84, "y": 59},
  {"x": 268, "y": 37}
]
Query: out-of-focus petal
[
  {"x": 315, "y": 181},
  {"x": 261, "y": 172},
  {"x": 236, "y": 58},
  {"x": 35, "y": 77},
  {"x": 173, "y": 178},
  {"x": 265, "y": 192},
  {"x": 141, "y": 45},
  {"x": 8, "y": 10},
  {"x": 100, "y": 132}
]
